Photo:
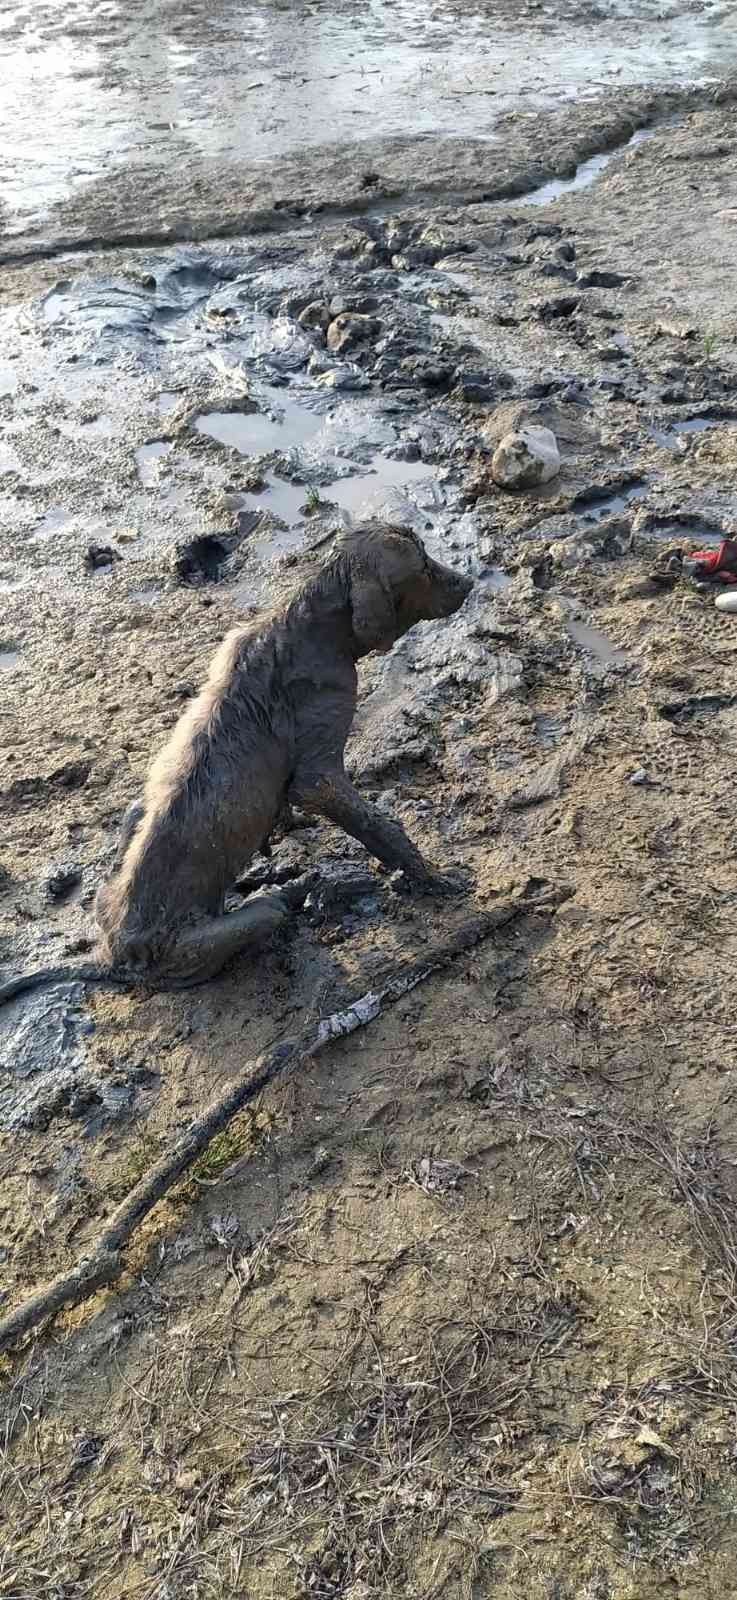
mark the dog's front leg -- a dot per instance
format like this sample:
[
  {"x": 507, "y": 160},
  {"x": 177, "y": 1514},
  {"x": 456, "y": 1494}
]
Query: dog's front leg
[{"x": 334, "y": 797}]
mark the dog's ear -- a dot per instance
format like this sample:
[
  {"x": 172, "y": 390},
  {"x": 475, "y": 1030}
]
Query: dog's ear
[{"x": 372, "y": 610}]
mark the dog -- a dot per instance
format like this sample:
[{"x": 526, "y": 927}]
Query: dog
[{"x": 268, "y": 730}]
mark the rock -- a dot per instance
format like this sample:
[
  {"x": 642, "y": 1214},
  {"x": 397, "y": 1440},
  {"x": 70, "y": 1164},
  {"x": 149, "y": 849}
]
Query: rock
[
  {"x": 562, "y": 305},
  {"x": 62, "y": 880},
  {"x": 573, "y": 552},
  {"x": 727, "y": 602},
  {"x": 526, "y": 458},
  {"x": 639, "y": 777},
  {"x": 353, "y": 305},
  {"x": 543, "y": 230},
  {"x": 676, "y": 330},
  {"x": 639, "y": 589},
  {"x": 477, "y": 386},
  {"x": 342, "y": 378},
  {"x": 428, "y": 371},
  {"x": 403, "y": 450},
  {"x": 601, "y": 278},
  {"x": 100, "y": 555},
  {"x": 197, "y": 560},
  {"x": 315, "y": 315},
  {"x": 348, "y": 330}
]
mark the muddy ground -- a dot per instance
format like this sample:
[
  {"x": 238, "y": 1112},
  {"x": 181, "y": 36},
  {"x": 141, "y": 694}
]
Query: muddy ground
[{"x": 453, "y": 1312}]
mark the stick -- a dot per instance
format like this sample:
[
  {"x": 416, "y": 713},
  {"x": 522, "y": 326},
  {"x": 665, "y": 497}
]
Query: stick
[{"x": 104, "y": 1262}]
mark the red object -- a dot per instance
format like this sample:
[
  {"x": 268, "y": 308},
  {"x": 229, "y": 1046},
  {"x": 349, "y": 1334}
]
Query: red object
[{"x": 720, "y": 563}]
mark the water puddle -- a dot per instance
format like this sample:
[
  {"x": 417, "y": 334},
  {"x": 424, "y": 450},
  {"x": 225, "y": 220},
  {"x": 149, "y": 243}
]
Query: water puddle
[
  {"x": 585, "y": 174},
  {"x": 674, "y": 529},
  {"x": 598, "y": 505},
  {"x": 254, "y": 433},
  {"x": 674, "y": 437},
  {"x": 9, "y": 659},
  {"x": 148, "y": 458},
  {"x": 115, "y": 87},
  {"x": 602, "y": 653},
  {"x": 595, "y": 644},
  {"x": 360, "y": 494},
  {"x": 695, "y": 424}
]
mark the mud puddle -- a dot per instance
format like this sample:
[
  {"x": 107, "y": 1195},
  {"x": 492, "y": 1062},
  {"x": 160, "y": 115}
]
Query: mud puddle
[
  {"x": 374, "y": 492},
  {"x": 601, "y": 653},
  {"x": 676, "y": 436},
  {"x": 95, "y": 89},
  {"x": 585, "y": 174},
  {"x": 596, "y": 507},
  {"x": 255, "y": 433}
]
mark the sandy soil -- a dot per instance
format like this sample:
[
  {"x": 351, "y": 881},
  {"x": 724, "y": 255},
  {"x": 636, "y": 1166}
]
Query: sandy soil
[{"x": 453, "y": 1313}]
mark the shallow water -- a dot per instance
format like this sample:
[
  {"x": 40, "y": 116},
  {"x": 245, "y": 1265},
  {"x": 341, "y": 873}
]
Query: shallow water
[
  {"x": 595, "y": 643},
  {"x": 597, "y": 508},
  {"x": 361, "y": 494},
  {"x": 674, "y": 437},
  {"x": 584, "y": 175},
  {"x": 88, "y": 86},
  {"x": 253, "y": 433}
]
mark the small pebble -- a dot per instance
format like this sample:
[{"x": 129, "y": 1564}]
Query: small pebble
[{"x": 639, "y": 777}]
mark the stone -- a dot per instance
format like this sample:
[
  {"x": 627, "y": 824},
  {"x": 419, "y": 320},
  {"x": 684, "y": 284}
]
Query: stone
[
  {"x": 197, "y": 560},
  {"x": 601, "y": 278},
  {"x": 350, "y": 329},
  {"x": 342, "y": 378},
  {"x": 526, "y": 458},
  {"x": 315, "y": 315},
  {"x": 100, "y": 555},
  {"x": 427, "y": 370},
  {"x": 62, "y": 879}
]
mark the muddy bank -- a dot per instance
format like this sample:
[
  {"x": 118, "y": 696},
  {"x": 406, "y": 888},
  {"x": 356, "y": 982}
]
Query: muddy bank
[
  {"x": 454, "y": 1311},
  {"x": 157, "y": 123},
  {"x": 142, "y": 205}
]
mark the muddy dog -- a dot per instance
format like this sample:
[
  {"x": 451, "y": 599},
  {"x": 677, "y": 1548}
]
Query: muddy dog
[{"x": 268, "y": 729}]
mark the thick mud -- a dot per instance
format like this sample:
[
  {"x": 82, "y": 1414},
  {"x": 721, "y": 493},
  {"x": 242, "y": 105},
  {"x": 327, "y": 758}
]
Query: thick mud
[{"x": 453, "y": 1313}]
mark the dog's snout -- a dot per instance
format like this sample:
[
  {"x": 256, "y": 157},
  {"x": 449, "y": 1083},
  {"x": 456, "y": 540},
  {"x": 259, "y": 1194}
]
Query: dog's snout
[{"x": 450, "y": 588}]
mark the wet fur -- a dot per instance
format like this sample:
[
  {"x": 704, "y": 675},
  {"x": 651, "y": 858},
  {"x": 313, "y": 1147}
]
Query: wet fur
[{"x": 269, "y": 727}]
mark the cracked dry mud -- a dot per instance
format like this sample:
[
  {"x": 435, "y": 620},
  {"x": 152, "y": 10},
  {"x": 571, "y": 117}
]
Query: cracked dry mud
[{"x": 453, "y": 1312}]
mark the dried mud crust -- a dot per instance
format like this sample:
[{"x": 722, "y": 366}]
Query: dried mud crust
[{"x": 453, "y": 1312}]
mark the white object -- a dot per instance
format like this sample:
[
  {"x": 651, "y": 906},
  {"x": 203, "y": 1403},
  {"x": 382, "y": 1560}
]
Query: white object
[
  {"x": 526, "y": 458},
  {"x": 728, "y": 601}
]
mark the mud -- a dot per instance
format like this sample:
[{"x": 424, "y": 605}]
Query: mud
[{"x": 452, "y": 1313}]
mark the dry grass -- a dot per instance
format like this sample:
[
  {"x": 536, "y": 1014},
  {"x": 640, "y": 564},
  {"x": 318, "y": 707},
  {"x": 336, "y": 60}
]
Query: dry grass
[{"x": 401, "y": 1438}]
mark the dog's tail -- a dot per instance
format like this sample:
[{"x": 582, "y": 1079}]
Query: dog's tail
[{"x": 46, "y": 977}]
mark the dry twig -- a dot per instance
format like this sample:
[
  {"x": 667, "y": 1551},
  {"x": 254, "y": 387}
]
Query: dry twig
[{"x": 105, "y": 1261}]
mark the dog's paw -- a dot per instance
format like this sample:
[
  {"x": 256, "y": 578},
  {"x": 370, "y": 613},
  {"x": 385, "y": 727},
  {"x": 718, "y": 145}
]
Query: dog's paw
[
  {"x": 445, "y": 885},
  {"x": 439, "y": 885}
]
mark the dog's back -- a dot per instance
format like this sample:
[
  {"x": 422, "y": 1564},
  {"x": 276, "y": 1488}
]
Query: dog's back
[{"x": 210, "y": 800}]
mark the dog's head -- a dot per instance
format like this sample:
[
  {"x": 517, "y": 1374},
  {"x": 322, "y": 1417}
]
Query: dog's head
[{"x": 394, "y": 583}]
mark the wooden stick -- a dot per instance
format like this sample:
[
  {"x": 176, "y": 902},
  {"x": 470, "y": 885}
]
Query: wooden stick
[{"x": 104, "y": 1262}]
